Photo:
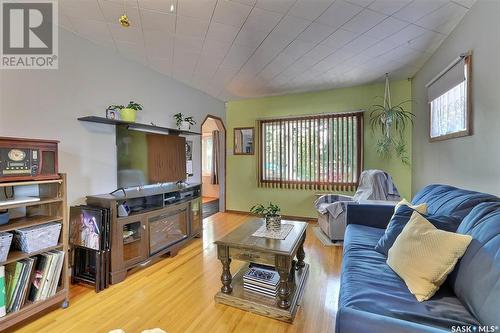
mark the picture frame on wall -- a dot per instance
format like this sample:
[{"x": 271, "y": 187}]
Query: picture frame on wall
[{"x": 244, "y": 138}]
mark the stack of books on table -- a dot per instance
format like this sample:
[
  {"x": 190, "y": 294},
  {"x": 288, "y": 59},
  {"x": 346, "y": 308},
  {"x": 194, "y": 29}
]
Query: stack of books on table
[{"x": 263, "y": 280}]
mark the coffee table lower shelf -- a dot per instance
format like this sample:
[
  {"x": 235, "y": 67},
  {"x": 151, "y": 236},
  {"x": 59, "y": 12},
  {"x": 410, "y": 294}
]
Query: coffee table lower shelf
[{"x": 262, "y": 305}]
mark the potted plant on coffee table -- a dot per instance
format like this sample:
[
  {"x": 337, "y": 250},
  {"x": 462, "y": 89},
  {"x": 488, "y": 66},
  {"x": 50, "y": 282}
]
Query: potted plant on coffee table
[
  {"x": 127, "y": 113},
  {"x": 270, "y": 214}
]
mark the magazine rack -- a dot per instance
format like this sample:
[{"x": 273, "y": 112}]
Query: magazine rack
[
  {"x": 89, "y": 238},
  {"x": 51, "y": 207}
]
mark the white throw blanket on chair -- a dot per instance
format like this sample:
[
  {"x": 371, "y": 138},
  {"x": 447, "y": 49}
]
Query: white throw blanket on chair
[{"x": 373, "y": 185}]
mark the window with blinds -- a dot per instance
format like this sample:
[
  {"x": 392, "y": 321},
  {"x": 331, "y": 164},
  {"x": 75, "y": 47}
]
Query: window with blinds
[
  {"x": 449, "y": 101},
  {"x": 322, "y": 152}
]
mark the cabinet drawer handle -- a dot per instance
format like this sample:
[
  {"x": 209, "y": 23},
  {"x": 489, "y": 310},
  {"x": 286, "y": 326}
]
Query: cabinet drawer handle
[{"x": 145, "y": 263}]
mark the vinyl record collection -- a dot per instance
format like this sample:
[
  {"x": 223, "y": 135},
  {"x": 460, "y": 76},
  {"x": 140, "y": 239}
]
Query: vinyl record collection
[
  {"x": 262, "y": 280},
  {"x": 32, "y": 279},
  {"x": 89, "y": 238}
]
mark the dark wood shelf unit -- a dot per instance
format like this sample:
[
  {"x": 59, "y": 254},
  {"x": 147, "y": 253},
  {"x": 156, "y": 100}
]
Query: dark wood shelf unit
[
  {"x": 51, "y": 208},
  {"x": 130, "y": 241},
  {"x": 145, "y": 191},
  {"x": 102, "y": 120},
  {"x": 146, "y": 243}
]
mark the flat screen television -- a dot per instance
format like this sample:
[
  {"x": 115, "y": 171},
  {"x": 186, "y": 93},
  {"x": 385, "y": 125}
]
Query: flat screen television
[{"x": 148, "y": 158}]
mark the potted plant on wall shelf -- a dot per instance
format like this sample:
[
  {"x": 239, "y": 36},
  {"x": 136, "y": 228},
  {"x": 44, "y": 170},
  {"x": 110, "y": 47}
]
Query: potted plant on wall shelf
[
  {"x": 391, "y": 122},
  {"x": 127, "y": 113},
  {"x": 270, "y": 214},
  {"x": 183, "y": 123}
]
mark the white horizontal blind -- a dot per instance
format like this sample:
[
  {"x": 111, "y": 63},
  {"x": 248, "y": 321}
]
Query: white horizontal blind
[
  {"x": 448, "y": 99},
  {"x": 447, "y": 81},
  {"x": 448, "y": 112}
]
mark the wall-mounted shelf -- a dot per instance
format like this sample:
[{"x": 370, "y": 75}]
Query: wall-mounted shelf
[{"x": 146, "y": 127}]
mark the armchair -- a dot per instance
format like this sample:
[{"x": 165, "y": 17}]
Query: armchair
[{"x": 375, "y": 187}]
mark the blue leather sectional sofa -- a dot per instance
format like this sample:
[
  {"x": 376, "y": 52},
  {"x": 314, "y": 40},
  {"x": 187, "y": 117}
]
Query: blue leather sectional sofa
[{"x": 374, "y": 299}]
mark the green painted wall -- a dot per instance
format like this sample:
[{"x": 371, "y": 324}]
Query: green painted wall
[{"x": 242, "y": 189}]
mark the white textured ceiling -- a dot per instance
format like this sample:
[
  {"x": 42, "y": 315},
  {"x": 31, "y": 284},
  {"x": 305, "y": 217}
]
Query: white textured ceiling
[{"x": 245, "y": 48}]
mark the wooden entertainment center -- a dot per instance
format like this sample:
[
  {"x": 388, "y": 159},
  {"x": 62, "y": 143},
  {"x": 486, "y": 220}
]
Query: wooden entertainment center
[{"x": 162, "y": 219}]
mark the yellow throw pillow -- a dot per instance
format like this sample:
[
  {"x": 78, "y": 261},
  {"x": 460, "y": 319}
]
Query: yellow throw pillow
[
  {"x": 421, "y": 208},
  {"x": 423, "y": 255}
]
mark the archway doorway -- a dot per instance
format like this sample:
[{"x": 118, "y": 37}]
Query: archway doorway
[{"x": 213, "y": 165}]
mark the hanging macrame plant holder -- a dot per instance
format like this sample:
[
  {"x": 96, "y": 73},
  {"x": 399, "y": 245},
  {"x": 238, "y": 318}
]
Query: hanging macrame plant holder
[
  {"x": 391, "y": 121},
  {"x": 386, "y": 119}
]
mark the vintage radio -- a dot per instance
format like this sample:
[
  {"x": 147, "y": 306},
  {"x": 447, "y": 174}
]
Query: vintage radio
[{"x": 27, "y": 159}]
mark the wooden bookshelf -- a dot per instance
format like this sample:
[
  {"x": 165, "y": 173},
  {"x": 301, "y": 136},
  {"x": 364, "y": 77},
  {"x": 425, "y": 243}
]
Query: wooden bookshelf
[
  {"x": 51, "y": 208},
  {"x": 30, "y": 309},
  {"x": 31, "y": 182},
  {"x": 28, "y": 221},
  {"x": 19, "y": 255},
  {"x": 42, "y": 201}
]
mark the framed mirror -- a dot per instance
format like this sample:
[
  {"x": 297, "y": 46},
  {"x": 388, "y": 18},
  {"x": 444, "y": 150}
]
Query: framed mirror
[{"x": 244, "y": 141}]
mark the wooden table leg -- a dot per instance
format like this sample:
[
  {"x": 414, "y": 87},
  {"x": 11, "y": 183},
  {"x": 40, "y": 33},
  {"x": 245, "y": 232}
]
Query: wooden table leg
[
  {"x": 300, "y": 253},
  {"x": 291, "y": 276},
  {"x": 283, "y": 264},
  {"x": 226, "y": 278}
]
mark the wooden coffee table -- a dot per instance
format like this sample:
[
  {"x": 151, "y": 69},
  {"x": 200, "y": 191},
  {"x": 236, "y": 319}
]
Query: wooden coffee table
[{"x": 241, "y": 245}]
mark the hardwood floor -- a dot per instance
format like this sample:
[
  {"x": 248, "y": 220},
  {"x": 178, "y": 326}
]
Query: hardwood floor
[
  {"x": 210, "y": 208},
  {"x": 177, "y": 294},
  {"x": 208, "y": 199}
]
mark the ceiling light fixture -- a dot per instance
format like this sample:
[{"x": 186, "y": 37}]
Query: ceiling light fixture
[{"x": 124, "y": 21}]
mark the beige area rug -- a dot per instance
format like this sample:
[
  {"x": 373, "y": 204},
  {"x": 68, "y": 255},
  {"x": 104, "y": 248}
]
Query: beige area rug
[{"x": 324, "y": 238}]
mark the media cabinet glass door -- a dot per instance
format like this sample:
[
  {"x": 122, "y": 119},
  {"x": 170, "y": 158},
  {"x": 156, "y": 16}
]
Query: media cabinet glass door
[
  {"x": 135, "y": 242},
  {"x": 168, "y": 227}
]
